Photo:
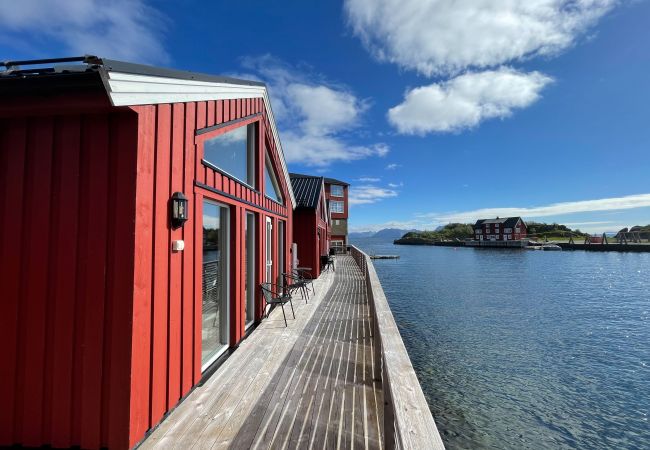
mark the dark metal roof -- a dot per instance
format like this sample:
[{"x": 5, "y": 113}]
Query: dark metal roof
[
  {"x": 335, "y": 181},
  {"x": 90, "y": 63},
  {"x": 307, "y": 189},
  {"x": 507, "y": 222}
]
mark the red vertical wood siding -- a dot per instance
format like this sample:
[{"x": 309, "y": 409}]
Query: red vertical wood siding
[
  {"x": 304, "y": 235},
  {"x": 189, "y": 306},
  {"x": 175, "y": 270},
  {"x": 162, "y": 194},
  {"x": 13, "y": 137},
  {"x": 142, "y": 280},
  {"x": 65, "y": 196},
  {"x": 120, "y": 270},
  {"x": 102, "y": 321},
  {"x": 66, "y": 305}
]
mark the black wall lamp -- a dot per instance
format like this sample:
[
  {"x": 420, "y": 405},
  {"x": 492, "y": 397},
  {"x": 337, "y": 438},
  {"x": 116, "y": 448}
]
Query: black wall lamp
[{"x": 179, "y": 210}]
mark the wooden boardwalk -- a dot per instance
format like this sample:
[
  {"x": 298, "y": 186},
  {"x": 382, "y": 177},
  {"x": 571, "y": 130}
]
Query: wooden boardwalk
[{"x": 308, "y": 385}]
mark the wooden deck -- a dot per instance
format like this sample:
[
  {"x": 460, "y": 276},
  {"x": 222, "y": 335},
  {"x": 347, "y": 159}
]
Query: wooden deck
[{"x": 309, "y": 385}]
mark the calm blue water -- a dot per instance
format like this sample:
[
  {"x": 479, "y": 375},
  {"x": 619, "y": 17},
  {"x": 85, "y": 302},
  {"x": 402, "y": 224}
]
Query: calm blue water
[{"x": 523, "y": 349}]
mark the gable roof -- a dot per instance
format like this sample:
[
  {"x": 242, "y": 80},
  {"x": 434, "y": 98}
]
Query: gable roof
[
  {"x": 507, "y": 222},
  {"x": 129, "y": 84},
  {"x": 335, "y": 181},
  {"x": 307, "y": 189}
]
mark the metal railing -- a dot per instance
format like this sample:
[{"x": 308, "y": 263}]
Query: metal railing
[{"x": 408, "y": 423}]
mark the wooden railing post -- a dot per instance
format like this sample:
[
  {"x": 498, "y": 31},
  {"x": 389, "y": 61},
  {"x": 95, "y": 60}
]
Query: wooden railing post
[{"x": 389, "y": 415}]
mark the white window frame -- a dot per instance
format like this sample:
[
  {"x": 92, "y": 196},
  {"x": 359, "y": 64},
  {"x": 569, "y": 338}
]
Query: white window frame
[
  {"x": 268, "y": 166},
  {"x": 335, "y": 210},
  {"x": 250, "y": 219},
  {"x": 251, "y": 152},
  {"x": 268, "y": 250},
  {"x": 225, "y": 318},
  {"x": 336, "y": 187}
]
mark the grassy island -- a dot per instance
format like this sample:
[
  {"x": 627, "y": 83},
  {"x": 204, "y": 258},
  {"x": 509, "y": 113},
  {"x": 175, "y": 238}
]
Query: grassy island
[{"x": 461, "y": 231}]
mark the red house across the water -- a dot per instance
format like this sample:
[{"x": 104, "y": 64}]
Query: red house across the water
[
  {"x": 505, "y": 229},
  {"x": 117, "y": 294}
]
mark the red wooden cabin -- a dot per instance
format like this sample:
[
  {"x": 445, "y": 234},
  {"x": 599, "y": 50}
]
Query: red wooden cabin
[
  {"x": 504, "y": 229},
  {"x": 310, "y": 221},
  {"x": 108, "y": 314}
]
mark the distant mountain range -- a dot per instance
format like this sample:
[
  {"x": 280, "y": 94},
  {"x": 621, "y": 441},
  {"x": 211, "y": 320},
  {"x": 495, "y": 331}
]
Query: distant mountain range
[{"x": 386, "y": 233}]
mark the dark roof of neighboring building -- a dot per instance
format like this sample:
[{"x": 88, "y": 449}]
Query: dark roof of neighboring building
[
  {"x": 335, "y": 181},
  {"x": 507, "y": 222},
  {"x": 307, "y": 189},
  {"x": 94, "y": 64}
]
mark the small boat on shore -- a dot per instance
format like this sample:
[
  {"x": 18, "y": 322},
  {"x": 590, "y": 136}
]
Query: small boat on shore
[{"x": 545, "y": 247}]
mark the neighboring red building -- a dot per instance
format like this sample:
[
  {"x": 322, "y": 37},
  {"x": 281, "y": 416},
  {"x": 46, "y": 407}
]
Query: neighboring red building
[
  {"x": 506, "y": 229},
  {"x": 108, "y": 314},
  {"x": 310, "y": 221},
  {"x": 336, "y": 193}
]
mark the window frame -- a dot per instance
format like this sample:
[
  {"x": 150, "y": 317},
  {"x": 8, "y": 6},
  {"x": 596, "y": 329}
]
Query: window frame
[
  {"x": 227, "y": 291},
  {"x": 337, "y": 186},
  {"x": 341, "y": 202},
  {"x": 268, "y": 164},
  {"x": 207, "y": 134}
]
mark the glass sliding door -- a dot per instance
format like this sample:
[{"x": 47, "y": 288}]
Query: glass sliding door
[
  {"x": 249, "y": 283},
  {"x": 215, "y": 276}
]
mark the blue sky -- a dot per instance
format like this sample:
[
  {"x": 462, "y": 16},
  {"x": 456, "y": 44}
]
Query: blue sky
[{"x": 434, "y": 111}]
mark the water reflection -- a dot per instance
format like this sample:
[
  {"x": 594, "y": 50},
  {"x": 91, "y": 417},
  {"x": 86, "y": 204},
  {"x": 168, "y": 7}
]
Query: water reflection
[{"x": 519, "y": 349}]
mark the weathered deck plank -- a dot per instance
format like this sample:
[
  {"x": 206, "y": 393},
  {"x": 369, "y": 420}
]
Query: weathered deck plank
[{"x": 309, "y": 385}]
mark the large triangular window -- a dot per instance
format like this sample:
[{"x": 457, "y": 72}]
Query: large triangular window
[{"x": 273, "y": 190}]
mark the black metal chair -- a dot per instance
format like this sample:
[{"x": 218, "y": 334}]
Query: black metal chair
[
  {"x": 327, "y": 262},
  {"x": 294, "y": 283},
  {"x": 276, "y": 295},
  {"x": 305, "y": 275}
]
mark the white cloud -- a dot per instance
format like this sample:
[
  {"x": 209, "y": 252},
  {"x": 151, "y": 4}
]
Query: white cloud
[
  {"x": 314, "y": 115},
  {"x": 364, "y": 194},
  {"x": 465, "y": 101},
  {"x": 393, "y": 166},
  {"x": 369, "y": 179},
  {"x": 121, "y": 29},
  {"x": 448, "y": 36},
  {"x": 315, "y": 150},
  {"x": 323, "y": 109},
  {"x": 555, "y": 209}
]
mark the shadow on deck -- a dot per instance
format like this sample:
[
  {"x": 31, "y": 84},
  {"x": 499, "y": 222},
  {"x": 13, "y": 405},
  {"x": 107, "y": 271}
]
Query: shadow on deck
[{"x": 309, "y": 385}]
